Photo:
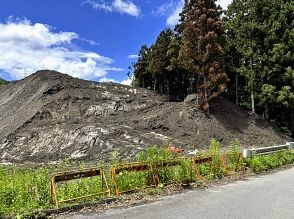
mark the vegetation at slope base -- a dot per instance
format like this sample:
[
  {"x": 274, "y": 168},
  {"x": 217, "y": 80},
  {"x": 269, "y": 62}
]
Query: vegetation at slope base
[{"x": 23, "y": 190}]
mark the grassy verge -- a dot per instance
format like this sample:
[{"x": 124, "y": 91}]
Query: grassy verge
[
  {"x": 268, "y": 162},
  {"x": 24, "y": 190}
]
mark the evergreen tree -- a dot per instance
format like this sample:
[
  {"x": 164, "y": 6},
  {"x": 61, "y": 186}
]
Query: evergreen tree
[
  {"x": 244, "y": 35},
  {"x": 261, "y": 33},
  {"x": 142, "y": 78},
  {"x": 201, "y": 52},
  {"x": 3, "y": 82},
  {"x": 159, "y": 61}
]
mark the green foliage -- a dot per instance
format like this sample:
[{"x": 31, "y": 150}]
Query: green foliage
[
  {"x": 81, "y": 187},
  {"x": 188, "y": 59},
  {"x": 268, "y": 93},
  {"x": 142, "y": 78},
  {"x": 271, "y": 161},
  {"x": 128, "y": 181},
  {"x": 217, "y": 169},
  {"x": 286, "y": 96},
  {"x": 115, "y": 157},
  {"x": 24, "y": 190},
  {"x": 259, "y": 47},
  {"x": 233, "y": 153},
  {"x": 3, "y": 82}
]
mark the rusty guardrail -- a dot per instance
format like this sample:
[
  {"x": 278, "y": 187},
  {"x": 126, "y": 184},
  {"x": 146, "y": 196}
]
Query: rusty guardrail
[
  {"x": 201, "y": 160},
  {"x": 161, "y": 164},
  {"x": 224, "y": 158},
  {"x": 132, "y": 167},
  {"x": 62, "y": 177}
]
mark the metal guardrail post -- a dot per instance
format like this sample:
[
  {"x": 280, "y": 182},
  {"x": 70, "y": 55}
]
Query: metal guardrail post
[
  {"x": 247, "y": 153},
  {"x": 290, "y": 145}
]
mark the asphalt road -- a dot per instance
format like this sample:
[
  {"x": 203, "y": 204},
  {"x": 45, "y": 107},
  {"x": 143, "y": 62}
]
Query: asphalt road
[{"x": 267, "y": 196}]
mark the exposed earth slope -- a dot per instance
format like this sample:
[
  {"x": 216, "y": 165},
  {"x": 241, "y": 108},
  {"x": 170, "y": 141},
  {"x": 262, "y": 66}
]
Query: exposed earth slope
[{"x": 50, "y": 116}]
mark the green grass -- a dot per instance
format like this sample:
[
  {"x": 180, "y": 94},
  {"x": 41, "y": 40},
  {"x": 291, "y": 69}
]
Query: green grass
[
  {"x": 271, "y": 161},
  {"x": 23, "y": 190}
]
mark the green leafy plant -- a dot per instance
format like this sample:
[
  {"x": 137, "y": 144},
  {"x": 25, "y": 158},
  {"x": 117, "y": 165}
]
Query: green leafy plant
[
  {"x": 23, "y": 190},
  {"x": 267, "y": 162},
  {"x": 217, "y": 169}
]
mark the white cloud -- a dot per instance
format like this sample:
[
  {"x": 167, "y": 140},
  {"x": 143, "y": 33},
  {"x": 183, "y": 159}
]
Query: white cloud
[
  {"x": 127, "y": 82},
  {"x": 91, "y": 42},
  {"x": 174, "y": 18},
  {"x": 174, "y": 8},
  {"x": 165, "y": 8},
  {"x": 171, "y": 10},
  {"x": 133, "y": 56},
  {"x": 105, "y": 79},
  {"x": 31, "y": 47},
  {"x": 120, "y": 6},
  {"x": 224, "y": 3}
]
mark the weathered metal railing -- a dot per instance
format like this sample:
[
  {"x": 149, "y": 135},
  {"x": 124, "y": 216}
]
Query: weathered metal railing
[
  {"x": 63, "y": 177},
  {"x": 117, "y": 171},
  {"x": 248, "y": 153}
]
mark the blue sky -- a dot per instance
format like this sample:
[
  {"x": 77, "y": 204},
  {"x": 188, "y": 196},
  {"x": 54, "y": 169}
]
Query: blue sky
[{"x": 90, "y": 39}]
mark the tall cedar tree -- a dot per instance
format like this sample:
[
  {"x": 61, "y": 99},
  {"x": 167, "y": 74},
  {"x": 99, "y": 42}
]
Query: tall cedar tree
[
  {"x": 246, "y": 36},
  {"x": 142, "y": 78},
  {"x": 159, "y": 61},
  {"x": 201, "y": 52}
]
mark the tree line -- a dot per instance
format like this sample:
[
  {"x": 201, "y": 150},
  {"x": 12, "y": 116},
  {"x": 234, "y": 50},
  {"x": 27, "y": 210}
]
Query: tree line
[
  {"x": 188, "y": 59},
  {"x": 244, "y": 53},
  {"x": 3, "y": 82}
]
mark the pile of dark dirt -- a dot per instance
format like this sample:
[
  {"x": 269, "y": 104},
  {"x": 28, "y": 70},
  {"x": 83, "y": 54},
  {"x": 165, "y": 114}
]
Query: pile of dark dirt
[{"x": 50, "y": 116}]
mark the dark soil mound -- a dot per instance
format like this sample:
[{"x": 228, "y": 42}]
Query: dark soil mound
[{"x": 50, "y": 116}]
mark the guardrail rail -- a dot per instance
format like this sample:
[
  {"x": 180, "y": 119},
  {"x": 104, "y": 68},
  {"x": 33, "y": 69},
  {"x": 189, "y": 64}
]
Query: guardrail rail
[{"x": 249, "y": 153}]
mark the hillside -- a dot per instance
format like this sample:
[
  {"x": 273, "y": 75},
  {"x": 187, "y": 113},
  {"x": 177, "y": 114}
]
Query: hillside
[{"x": 50, "y": 116}]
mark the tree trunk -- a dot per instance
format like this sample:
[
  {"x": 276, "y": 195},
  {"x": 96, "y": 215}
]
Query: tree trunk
[
  {"x": 266, "y": 112},
  {"x": 237, "y": 89},
  {"x": 168, "y": 92},
  {"x": 197, "y": 90},
  {"x": 206, "y": 103},
  {"x": 154, "y": 86},
  {"x": 252, "y": 102},
  {"x": 292, "y": 121},
  {"x": 252, "y": 90}
]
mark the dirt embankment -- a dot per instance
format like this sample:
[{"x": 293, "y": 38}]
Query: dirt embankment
[{"x": 50, "y": 116}]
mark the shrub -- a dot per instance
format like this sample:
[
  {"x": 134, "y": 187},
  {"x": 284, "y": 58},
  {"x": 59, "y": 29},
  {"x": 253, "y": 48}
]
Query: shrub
[
  {"x": 267, "y": 162},
  {"x": 217, "y": 169}
]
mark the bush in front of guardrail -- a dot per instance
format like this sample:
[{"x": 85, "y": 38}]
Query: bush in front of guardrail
[
  {"x": 183, "y": 172},
  {"x": 216, "y": 168},
  {"x": 187, "y": 171},
  {"x": 24, "y": 190},
  {"x": 233, "y": 155},
  {"x": 271, "y": 161}
]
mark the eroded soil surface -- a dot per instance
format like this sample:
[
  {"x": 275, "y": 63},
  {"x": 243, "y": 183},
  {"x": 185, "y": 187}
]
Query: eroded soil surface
[{"x": 50, "y": 116}]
